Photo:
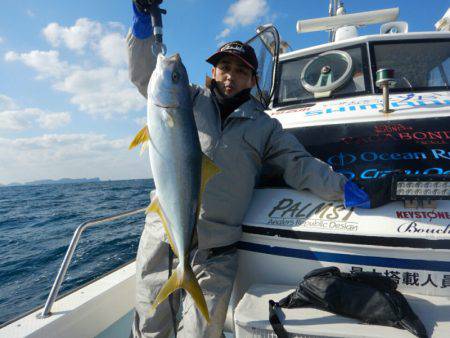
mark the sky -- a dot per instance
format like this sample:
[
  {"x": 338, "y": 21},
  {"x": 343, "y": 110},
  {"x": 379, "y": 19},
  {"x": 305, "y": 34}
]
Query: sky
[{"x": 67, "y": 107}]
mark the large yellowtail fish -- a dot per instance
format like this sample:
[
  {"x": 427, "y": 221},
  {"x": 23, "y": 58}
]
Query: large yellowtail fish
[{"x": 180, "y": 169}]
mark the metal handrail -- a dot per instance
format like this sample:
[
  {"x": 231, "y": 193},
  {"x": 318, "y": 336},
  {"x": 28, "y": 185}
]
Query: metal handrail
[{"x": 69, "y": 253}]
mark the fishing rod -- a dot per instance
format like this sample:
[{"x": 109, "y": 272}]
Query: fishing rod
[{"x": 151, "y": 7}]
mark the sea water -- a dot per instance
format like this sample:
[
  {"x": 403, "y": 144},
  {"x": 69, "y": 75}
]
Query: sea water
[{"x": 37, "y": 224}]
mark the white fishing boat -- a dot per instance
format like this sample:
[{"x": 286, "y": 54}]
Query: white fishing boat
[{"x": 367, "y": 105}]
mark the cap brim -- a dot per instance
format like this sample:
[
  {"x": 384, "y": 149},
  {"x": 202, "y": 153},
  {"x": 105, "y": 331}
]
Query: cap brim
[{"x": 215, "y": 58}]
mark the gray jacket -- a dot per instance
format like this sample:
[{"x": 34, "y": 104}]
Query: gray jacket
[{"x": 248, "y": 139}]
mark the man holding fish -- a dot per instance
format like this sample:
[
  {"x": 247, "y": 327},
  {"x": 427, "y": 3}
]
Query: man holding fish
[{"x": 204, "y": 183}]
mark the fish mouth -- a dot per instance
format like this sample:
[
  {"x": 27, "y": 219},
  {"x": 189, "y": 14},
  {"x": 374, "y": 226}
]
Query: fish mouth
[{"x": 166, "y": 105}]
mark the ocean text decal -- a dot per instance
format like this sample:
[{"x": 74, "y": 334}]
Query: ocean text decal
[
  {"x": 330, "y": 216},
  {"x": 370, "y": 150},
  {"x": 342, "y": 158}
]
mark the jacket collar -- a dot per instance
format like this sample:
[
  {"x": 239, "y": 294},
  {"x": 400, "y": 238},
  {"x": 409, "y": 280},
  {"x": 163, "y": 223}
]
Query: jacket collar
[{"x": 248, "y": 110}]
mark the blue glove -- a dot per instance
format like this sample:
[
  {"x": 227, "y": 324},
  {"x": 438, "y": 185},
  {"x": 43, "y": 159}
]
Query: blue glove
[
  {"x": 142, "y": 24},
  {"x": 355, "y": 197},
  {"x": 368, "y": 194}
]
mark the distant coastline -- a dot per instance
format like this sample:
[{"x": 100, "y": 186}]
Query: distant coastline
[{"x": 59, "y": 181}]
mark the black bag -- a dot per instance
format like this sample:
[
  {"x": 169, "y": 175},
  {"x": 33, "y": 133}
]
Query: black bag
[{"x": 366, "y": 296}]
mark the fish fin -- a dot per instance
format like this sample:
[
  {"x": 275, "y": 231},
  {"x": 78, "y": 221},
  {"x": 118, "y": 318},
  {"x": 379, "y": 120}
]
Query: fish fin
[
  {"x": 156, "y": 208},
  {"x": 184, "y": 278},
  {"x": 142, "y": 136},
  {"x": 144, "y": 148},
  {"x": 168, "y": 119},
  {"x": 190, "y": 284},
  {"x": 209, "y": 169}
]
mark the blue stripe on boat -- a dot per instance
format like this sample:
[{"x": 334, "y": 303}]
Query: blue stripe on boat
[{"x": 399, "y": 263}]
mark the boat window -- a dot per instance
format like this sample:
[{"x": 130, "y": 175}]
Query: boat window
[
  {"x": 333, "y": 74},
  {"x": 418, "y": 65}
]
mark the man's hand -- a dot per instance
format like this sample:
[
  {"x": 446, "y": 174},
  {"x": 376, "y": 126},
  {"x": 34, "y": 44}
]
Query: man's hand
[
  {"x": 142, "y": 25},
  {"x": 368, "y": 194},
  {"x": 144, "y": 6}
]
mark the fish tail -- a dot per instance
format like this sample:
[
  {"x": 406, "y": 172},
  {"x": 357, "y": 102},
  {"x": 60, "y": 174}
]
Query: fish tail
[{"x": 184, "y": 278}]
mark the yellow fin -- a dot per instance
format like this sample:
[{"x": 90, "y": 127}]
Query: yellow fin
[
  {"x": 209, "y": 169},
  {"x": 144, "y": 148},
  {"x": 184, "y": 279},
  {"x": 156, "y": 208},
  {"x": 142, "y": 136}
]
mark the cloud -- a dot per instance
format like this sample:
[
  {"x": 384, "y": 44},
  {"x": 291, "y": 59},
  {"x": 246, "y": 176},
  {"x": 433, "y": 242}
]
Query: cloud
[
  {"x": 223, "y": 34},
  {"x": 13, "y": 118},
  {"x": 30, "y": 13},
  {"x": 117, "y": 26},
  {"x": 112, "y": 49},
  {"x": 22, "y": 119},
  {"x": 73, "y": 144},
  {"x": 103, "y": 91},
  {"x": 75, "y": 37},
  {"x": 69, "y": 155},
  {"x": 141, "y": 121},
  {"x": 98, "y": 82},
  {"x": 54, "y": 120},
  {"x": 46, "y": 63},
  {"x": 6, "y": 103},
  {"x": 245, "y": 12},
  {"x": 1, "y": 39}
]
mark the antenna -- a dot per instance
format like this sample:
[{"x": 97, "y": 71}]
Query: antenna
[
  {"x": 355, "y": 19},
  {"x": 332, "y": 10}
]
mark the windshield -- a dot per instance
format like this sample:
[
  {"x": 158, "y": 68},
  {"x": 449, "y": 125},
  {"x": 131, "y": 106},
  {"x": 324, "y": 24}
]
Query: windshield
[
  {"x": 418, "y": 65},
  {"x": 265, "y": 44},
  {"x": 331, "y": 74}
]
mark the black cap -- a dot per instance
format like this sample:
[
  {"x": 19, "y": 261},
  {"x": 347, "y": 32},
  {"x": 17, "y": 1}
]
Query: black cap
[{"x": 243, "y": 51}]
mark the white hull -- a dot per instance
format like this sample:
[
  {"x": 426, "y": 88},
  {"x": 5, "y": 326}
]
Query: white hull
[{"x": 371, "y": 240}]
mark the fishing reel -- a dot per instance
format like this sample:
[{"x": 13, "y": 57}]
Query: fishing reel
[
  {"x": 146, "y": 6},
  {"x": 151, "y": 7}
]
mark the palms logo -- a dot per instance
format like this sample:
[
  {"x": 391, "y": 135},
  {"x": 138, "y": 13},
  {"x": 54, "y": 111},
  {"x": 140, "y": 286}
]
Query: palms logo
[{"x": 341, "y": 159}]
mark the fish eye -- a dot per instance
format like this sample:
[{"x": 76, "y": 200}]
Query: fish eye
[{"x": 175, "y": 76}]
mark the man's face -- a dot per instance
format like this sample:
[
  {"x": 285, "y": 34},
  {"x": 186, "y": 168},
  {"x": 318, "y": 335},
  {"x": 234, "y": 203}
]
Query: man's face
[{"x": 232, "y": 75}]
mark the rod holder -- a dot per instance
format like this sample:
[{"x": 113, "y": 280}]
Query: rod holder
[{"x": 384, "y": 80}]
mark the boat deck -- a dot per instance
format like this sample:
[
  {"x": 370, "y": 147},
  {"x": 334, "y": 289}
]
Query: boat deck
[{"x": 252, "y": 320}]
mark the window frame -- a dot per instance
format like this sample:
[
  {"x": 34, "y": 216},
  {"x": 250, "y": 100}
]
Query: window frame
[
  {"x": 366, "y": 68},
  {"x": 373, "y": 64}
]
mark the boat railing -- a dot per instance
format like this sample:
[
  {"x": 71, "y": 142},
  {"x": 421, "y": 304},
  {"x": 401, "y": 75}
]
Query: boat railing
[{"x": 69, "y": 253}]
